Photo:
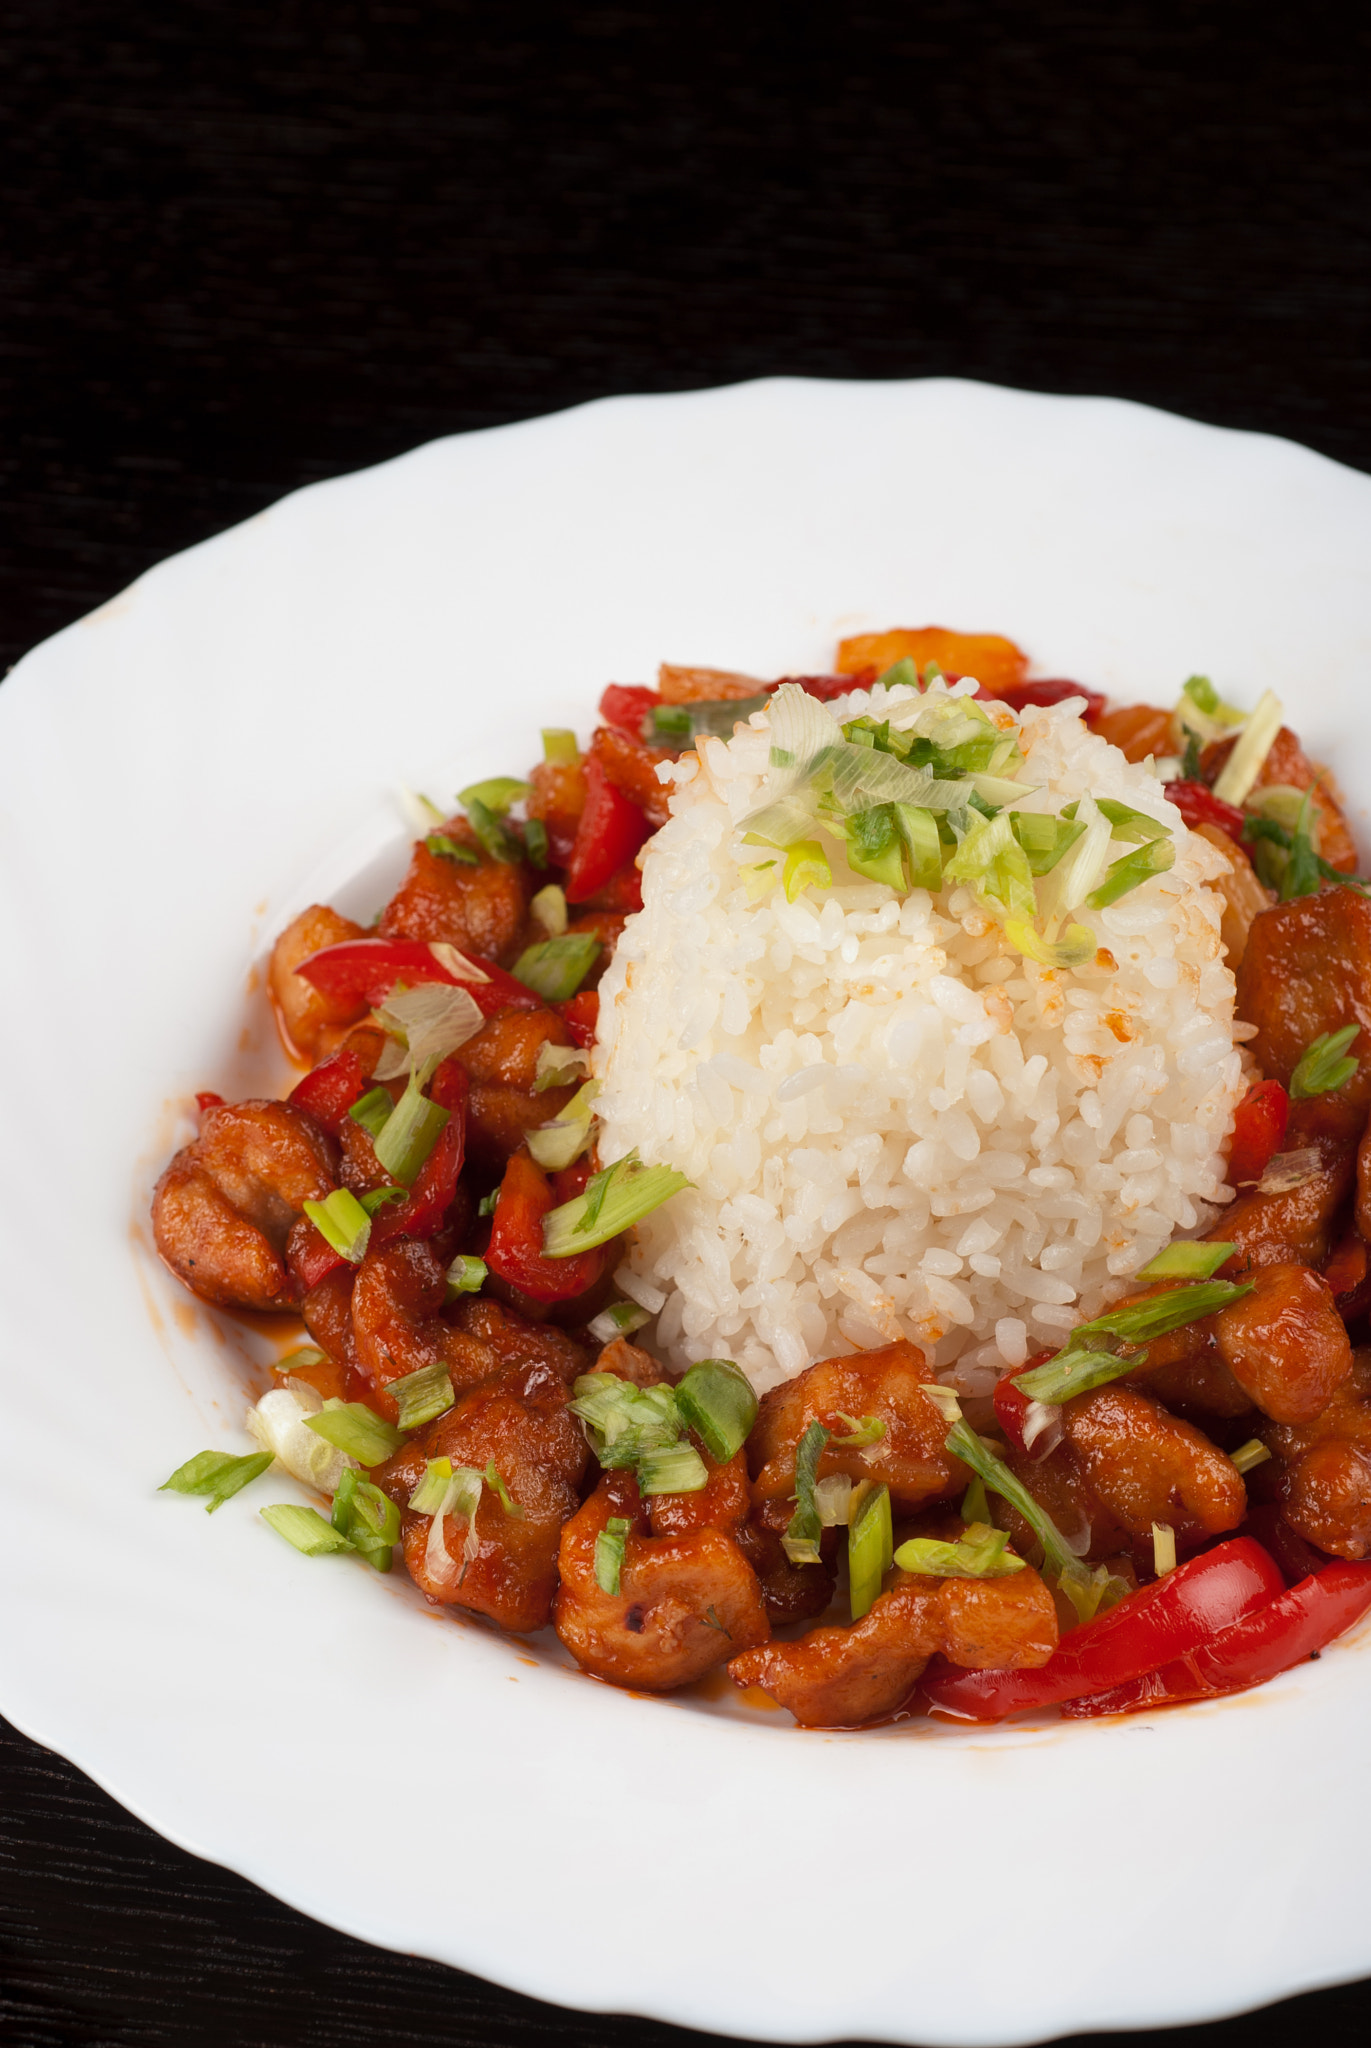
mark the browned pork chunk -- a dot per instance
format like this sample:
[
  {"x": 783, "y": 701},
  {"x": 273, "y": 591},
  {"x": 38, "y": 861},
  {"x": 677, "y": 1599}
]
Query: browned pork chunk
[
  {"x": 1307, "y": 971},
  {"x": 1285, "y": 1343},
  {"x": 1324, "y": 1489},
  {"x": 501, "y": 1062},
  {"x": 308, "y": 1020},
  {"x": 1148, "y": 1466},
  {"x": 479, "y": 908},
  {"x": 888, "y": 1385}
]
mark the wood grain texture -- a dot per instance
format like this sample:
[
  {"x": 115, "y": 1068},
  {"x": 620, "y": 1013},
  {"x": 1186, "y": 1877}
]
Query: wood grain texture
[{"x": 245, "y": 247}]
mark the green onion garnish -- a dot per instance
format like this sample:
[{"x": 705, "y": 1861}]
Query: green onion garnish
[
  {"x": 1187, "y": 1261},
  {"x": 620, "y": 1319},
  {"x": 373, "y": 1111},
  {"x": 806, "y": 867},
  {"x": 548, "y": 909},
  {"x": 923, "y": 845},
  {"x": 367, "y": 1519},
  {"x": 1044, "y": 839},
  {"x": 1249, "y": 1455},
  {"x": 428, "y": 1496},
  {"x": 536, "y": 842},
  {"x": 975, "y": 1507},
  {"x": 609, "y": 1554},
  {"x": 671, "y": 721},
  {"x": 1322, "y": 1065},
  {"x": 1129, "y": 825},
  {"x": 555, "y": 1145},
  {"x": 675, "y": 1468},
  {"x": 495, "y": 836},
  {"x": 861, "y": 1430},
  {"x": 1139, "y": 1322},
  {"x": 718, "y": 1403},
  {"x": 623, "y": 1194},
  {"x": 558, "y": 1065},
  {"x": 300, "y": 1361},
  {"x": 869, "y": 1548},
  {"x": 623, "y": 1422},
  {"x": 875, "y": 847},
  {"x": 410, "y": 1134},
  {"x": 342, "y": 1222},
  {"x": 496, "y": 1483},
  {"x": 488, "y": 1203},
  {"x": 559, "y": 744},
  {"x": 1073, "y": 1372},
  {"x": 422, "y": 1395},
  {"x": 452, "y": 849},
  {"x": 981, "y": 1554},
  {"x": 352, "y": 1427},
  {"x": 305, "y": 1528},
  {"x": 1130, "y": 872},
  {"x": 1254, "y": 743},
  {"x": 379, "y": 1197},
  {"x": 801, "y": 1539},
  {"x": 495, "y": 795},
  {"x": 962, "y": 1442},
  {"x": 1163, "y": 1548},
  {"x": 217, "y": 1475},
  {"x": 555, "y": 968},
  {"x": 465, "y": 1275}
]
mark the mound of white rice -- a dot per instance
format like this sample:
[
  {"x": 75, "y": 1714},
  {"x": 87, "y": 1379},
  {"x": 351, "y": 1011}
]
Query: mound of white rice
[{"x": 896, "y": 1125}]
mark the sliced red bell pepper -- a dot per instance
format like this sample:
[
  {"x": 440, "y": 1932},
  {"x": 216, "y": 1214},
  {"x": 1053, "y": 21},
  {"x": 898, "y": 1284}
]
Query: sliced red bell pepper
[
  {"x": 581, "y": 1014},
  {"x": 1011, "y": 1407},
  {"x": 430, "y": 1198},
  {"x": 207, "y": 1099},
  {"x": 309, "y": 1255},
  {"x": 610, "y": 832},
  {"x": 1198, "y": 805},
  {"x": 1298, "y": 1624},
  {"x": 515, "y": 1250},
  {"x": 1160, "y": 1622},
  {"x": 1259, "y": 1123},
  {"x": 1019, "y": 695},
  {"x": 366, "y": 970},
  {"x": 628, "y": 706},
  {"x": 329, "y": 1091}
]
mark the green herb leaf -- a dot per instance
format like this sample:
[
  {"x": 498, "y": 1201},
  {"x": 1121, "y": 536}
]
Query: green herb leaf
[
  {"x": 421, "y": 1396},
  {"x": 466, "y": 1275},
  {"x": 217, "y": 1475},
  {"x": 1130, "y": 825},
  {"x": 555, "y": 968},
  {"x": 963, "y": 1442},
  {"x": 918, "y": 829},
  {"x": 1044, "y": 839},
  {"x": 1191, "y": 770},
  {"x": 305, "y": 1528},
  {"x": 801, "y": 1539},
  {"x": 869, "y": 1547},
  {"x": 352, "y": 1427},
  {"x": 373, "y": 1111},
  {"x": 495, "y": 795},
  {"x": 1322, "y": 1067},
  {"x": 609, "y": 1554},
  {"x": 874, "y": 846},
  {"x": 621, "y": 1195},
  {"x": 981, "y": 1554},
  {"x": 452, "y": 849},
  {"x": 716, "y": 1399},
  {"x": 342, "y": 1222}
]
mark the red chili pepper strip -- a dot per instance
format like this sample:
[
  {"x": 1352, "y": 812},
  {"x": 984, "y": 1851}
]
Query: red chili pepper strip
[
  {"x": 627, "y": 707},
  {"x": 309, "y": 1255},
  {"x": 515, "y": 1250},
  {"x": 1150, "y": 1628},
  {"x": 1019, "y": 695},
  {"x": 330, "y": 1090},
  {"x": 366, "y": 970},
  {"x": 1011, "y": 1407},
  {"x": 581, "y": 1014},
  {"x": 207, "y": 1099},
  {"x": 431, "y": 1196},
  {"x": 1198, "y": 805},
  {"x": 1259, "y": 1123},
  {"x": 610, "y": 832},
  {"x": 1299, "y": 1624}
]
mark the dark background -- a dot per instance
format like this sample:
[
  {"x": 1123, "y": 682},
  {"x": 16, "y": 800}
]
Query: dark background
[{"x": 246, "y": 247}]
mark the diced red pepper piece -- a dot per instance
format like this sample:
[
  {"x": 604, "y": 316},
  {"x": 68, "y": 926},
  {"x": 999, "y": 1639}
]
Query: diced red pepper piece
[
  {"x": 610, "y": 833},
  {"x": 632, "y": 768},
  {"x": 1055, "y": 691},
  {"x": 1153, "y": 1626},
  {"x": 1011, "y": 1407},
  {"x": 207, "y": 1099},
  {"x": 515, "y": 1250},
  {"x": 430, "y": 1198},
  {"x": 309, "y": 1255},
  {"x": 366, "y": 970},
  {"x": 1198, "y": 805},
  {"x": 581, "y": 1014},
  {"x": 330, "y": 1090},
  {"x": 628, "y": 706},
  {"x": 1259, "y": 1123},
  {"x": 1298, "y": 1624}
]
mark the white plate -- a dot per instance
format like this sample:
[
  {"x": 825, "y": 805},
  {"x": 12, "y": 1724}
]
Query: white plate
[{"x": 217, "y": 746}]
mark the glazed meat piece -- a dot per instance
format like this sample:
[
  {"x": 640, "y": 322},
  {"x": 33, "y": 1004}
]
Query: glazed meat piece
[
  {"x": 1288, "y": 766},
  {"x": 721, "y": 1504},
  {"x": 631, "y": 767},
  {"x": 792, "y": 1592},
  {"x": 1182, "y": 1368},
  {"x": 519, "y": 1423},
  {"x": 327, "y": 1310},
  {"x": 1324, "y": 1486},
  {"x": 1285, "y": 1343},
  {"x": 1147, "y": 1466},
  {"x": 1295, "y": 1226},
  {"x": 308, "y": 1020},
  {"x": 1137, "y": 730},
  {"x": 685, "y": 1603},
  {"x": 223, "y": 1209},
  {"x": 840, "y": 1677},
  {"x": 1307, "y": 971},
  {"x": 1244, "y": 896},
  {"x": 558, "y": 797},
  {"x": 478, "y": 909},
  {"x": 397, "y": 1327},
  {"x": 501, "y": 1063},
  {"x": 1364, "y": 1185},
  {"x": 1059, "y": 1485},
  {"x": 909, "y": 1458},
  {"x": 485, "y": 1336}
]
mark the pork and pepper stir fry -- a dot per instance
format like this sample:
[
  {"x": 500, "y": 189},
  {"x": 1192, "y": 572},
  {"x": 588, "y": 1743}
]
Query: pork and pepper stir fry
[{"x": 1175, "y": 1506}]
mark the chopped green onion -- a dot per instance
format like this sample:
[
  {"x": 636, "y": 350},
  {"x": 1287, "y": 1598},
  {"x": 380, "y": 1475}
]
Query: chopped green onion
[
  {"x": 1187, "y": 1261},
  {"x": 428, "y": 1496},
  {"x": 496, "y": 794},
  {"x": 801, "y": 1539},
  {"x": 1303, "y": 869},
  {"x": 861, "y": 1430},
  {"x": 1129, "y": 825},
  {"x": 623, "y": 1422},
  {"x": 1044, "y": 839},
  {"x": 342, "y": 1222},
  {"x": 621, "y": 1195},
  {"x": 620, "y": 1319},
  {"x": 991, "y": 859},
  {"x": 806, "y": 867},
  {"x": 536, "y": 841},
  {"x": 833, "y": 1498},
  {"x": 609, "y": 1554},
  {"x": 675, "y": 1468},
  {"x": 870, "y": 1548},
  {"x": 411, "y": 1131},
  {"x": 548, "y": 909},
  {"x": 1191, "y": 769},
  {"x": 555, "y": 968},
  {"x": 1163, "y": 1548},
  {"x": 975, "y": 1507},
  {"x": 305, "y": 1528},
  {"x": 373, "y": 1111},
  {"x": 559, "y": 744},
  {"x": 875, "y": 847},
  {"x": 378, "y": 1198},
  {"x": 557, "y": 1066},
  {"x": 466, "y": 1275},
  {"x": 452, "y": 849},
  {"x": 1253, "y": 744},
  {"x": 1130, "y": 872},
  {"x": 1249, "y": 1455},
  {"x": 718, "y": 1403},
  {"x": 903, "y": 674},
  {"x": 1322, "y": 1066},
  {"x": 962, "y": 1442},
  {"x": 496, "y": 1483},
  {"x": 218, "y": 1475},
  {"x": 423, "y": 1395},
  {"x": 367, "y": 1518},
  {"x": 353, "y": 1427},
  {"x": 1090, "y": 1592},
  {"x": 1072, "y": 1372},
  {"x": 982, "y": 1553},
  {"x": 671, "y": 722},
  {"x": 761, "y": 880},
  {"x": 918, "y": 828},
  {"x": 300, "y": 1361},
  {"x": 488, "y": 1203},
  {"x": 555, "y": 1145},
  {"x": 1138, "y": 1322},
  {"x": 495, "y": 836},
  {"x": 1074, "y": 948}
]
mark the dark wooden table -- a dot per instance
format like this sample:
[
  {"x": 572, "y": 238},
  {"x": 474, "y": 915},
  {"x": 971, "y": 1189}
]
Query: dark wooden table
[{"x": 248, "y": 246}]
